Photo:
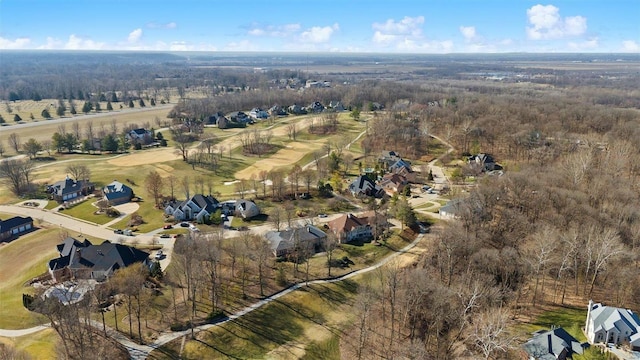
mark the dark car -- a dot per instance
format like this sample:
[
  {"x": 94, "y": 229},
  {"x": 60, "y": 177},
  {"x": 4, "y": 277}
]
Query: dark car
[
  {"x": 118, "y": 231},
  {"x": 165, "y": 236},
  {"x": 184, "y": 224},
  {"x": 168, "y": 226}
]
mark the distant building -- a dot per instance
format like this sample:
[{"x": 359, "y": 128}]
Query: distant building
[
  {"x": 349, "y": 227},
  {"x": 141, "y": 136},
  {"x": 363, "y": 186},
  {"x": 198, "y": 208}
]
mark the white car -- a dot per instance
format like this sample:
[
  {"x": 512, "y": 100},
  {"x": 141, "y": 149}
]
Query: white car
[
  {"x": 193, "y": 228},
  {"x": 159, "y": 255}
]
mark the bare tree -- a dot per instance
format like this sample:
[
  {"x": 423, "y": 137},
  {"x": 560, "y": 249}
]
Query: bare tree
[
  {"x": 601, "y": 248},
  {"x": 539, "y": 255},
  {"x": 154, "y": 184},
  {"x": 276, "y": 217},
  {"x": 14, "y": 142},
  {"x": 489, "y": 334},
  {"x": 16, "y": 174},
  {"x": 264, "y": 176},
  {"x": 185, "y": 187},
  {"x": 172, "y": 182}
]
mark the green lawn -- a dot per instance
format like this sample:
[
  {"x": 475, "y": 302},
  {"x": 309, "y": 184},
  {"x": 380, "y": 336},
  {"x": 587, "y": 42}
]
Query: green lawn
[
  {"x": 86, "y": 211},
  {"x": 20, "y": 261},
  {"x": 41, "y": 345},
  {"x": 571, "y": 319}
]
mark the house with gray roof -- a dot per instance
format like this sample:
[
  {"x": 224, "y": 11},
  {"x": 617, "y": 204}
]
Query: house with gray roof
[
  {"x": 15, "y": 226},
  {"x": 551, "y": 345},
  {"x": 612, "y": 325},
  {"x": 198, "y": 208},
  {"x": 451, "y": 209},
  {"x": 117, "y": 193},
  {"x": 307, "y": 238},
  {"x": 83, "y": 260},
  {"x": 69, "y": 189},
  {"x": 363, "y": 186}
]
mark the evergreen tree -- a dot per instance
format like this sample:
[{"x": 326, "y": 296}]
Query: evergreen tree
[
  {"x": 80, "y": 95},
  {"x": 98, "y": 107},
  {"x": 142, "y": 103},
  {"x": 109, "y": 107},
  {"x": 73, "y": 109},
  {"x": 2, "y": 120},
  {"x": 45, "y": 114},
  {"x": 153, "y": 102},
  {"x": 36, "y": 97},
  {"x": 60, "y": 111},
  {"x": 114, "y": 97},
  {"x": 102, "y": 97},
  {"x": 13, "y": 96},
  {"x": 86, "y": 108},
  {"x": 31, "y": 116},
  {"x": 17, "y": 118},
  {"x": 110, "y": 143},
  {"x": 131, "y": 103}
]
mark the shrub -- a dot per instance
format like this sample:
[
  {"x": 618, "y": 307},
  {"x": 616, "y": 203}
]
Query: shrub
[
  {"x": 111, "y": 212},
  {"x": 215, "y": 315}
]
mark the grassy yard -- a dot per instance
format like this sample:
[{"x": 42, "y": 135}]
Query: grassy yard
[
  {"x": 41, "y": 345},
  {"x": 86, "y": 211},
  {"x": 20, "y": 261}
]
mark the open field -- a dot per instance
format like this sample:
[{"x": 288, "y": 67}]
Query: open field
[
  {"x": 41, "y": 345},
  {"x": 20, "y": 261}
]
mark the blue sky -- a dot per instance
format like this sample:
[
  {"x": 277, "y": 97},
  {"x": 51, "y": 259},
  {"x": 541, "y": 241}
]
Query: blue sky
[{"x": 391, "y": 26}]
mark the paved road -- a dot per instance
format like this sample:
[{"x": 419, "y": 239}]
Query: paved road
[{"x": 106, "y": 114}]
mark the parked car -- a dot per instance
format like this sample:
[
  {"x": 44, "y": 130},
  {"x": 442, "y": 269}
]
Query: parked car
[
  {"x": 322, "y": 215},
  {"x": 118, "y": 231},
  {"x": 159, "y": 255},
  {"x": 165, "y": 236},
  {"x": 167, "y": 226},
  {"x": 128, "y": 232},
  {"x": 184, "y": 224}
]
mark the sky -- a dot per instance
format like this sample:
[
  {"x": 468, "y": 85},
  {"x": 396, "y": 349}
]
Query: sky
[{"x": 390, "y": 26}]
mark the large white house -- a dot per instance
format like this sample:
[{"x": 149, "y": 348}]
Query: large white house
[
  {"x": 197, "y": 208},
  {"x": 612, "y": 325}
]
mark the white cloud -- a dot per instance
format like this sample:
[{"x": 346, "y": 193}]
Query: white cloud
[
  {"x": 584, "y": 45},
  {"x": 19, "y": 43},
  {"x": 134, "y": 36},
  {"x": 169, "y": 25},
  {"x": 319, "y": 34},
  {"x": 469, "y": 32},
  {"x": 630, "y": 46},
  {"x": 243, "y": 45},
  {"x": 78, "y": 43},
  {"x": 411, "y": 26},
  {"x": 274, "y": 30},
  {"x": 546, "y": 23}
]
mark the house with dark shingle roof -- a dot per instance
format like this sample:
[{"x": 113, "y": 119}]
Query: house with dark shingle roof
[
  {"x": 69, "y": 189},
  {"x": 141, "y": 136},
  {"x": 551, "y": 345},
  {"x": 308, "y": 239},
  {"x": 15, "y": 226},
  {"x": 612, "y": 325},
  {"x": 117, "y": 193},
  {"x": 198, "y": 208},
  {"x": 363, "y": 186},
  {"x": 82, "y": 260}
]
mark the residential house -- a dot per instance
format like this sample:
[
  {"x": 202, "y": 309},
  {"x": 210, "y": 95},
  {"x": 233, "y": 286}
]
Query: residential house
[
  {"x": 393, "y": 183},
  {"x": 349, "y": 227},
  {"x": 375, "y": 106},
  {"x": 15, "y": 226},
  {"x": 243, "y": 208},
  {"x": 551, "y": 345},
  {"x": 117, "y": 193},
  {"x": 403, "y": 168},
  {"x": 451, "y": 209},
  {"x": 337, "y": 106},
  {"x": 363, "y": 186},
  {"x": 376, "y": 220},
  {"x": 141, "y": 136},
  {"x": 485, "y": 162},
  {"x": 612, "y": 325},
  {"x": 213, "y": 119},
  {"x": 296, "y": 110},
  {"x": 198, "y": 208},
  {"x": 307, "y": 239},
  {"x": 258, "y": 114},
  {"x": 315, "y": 107},
  {"x": 239, "y": 117},
  {"x": 317, "y": 84},
  {"x": 277, "y": 111},
  {"x": 389, "y": 157},
  {"x": 82, "y": 260},
  {"x": 69, "y": 189}
]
